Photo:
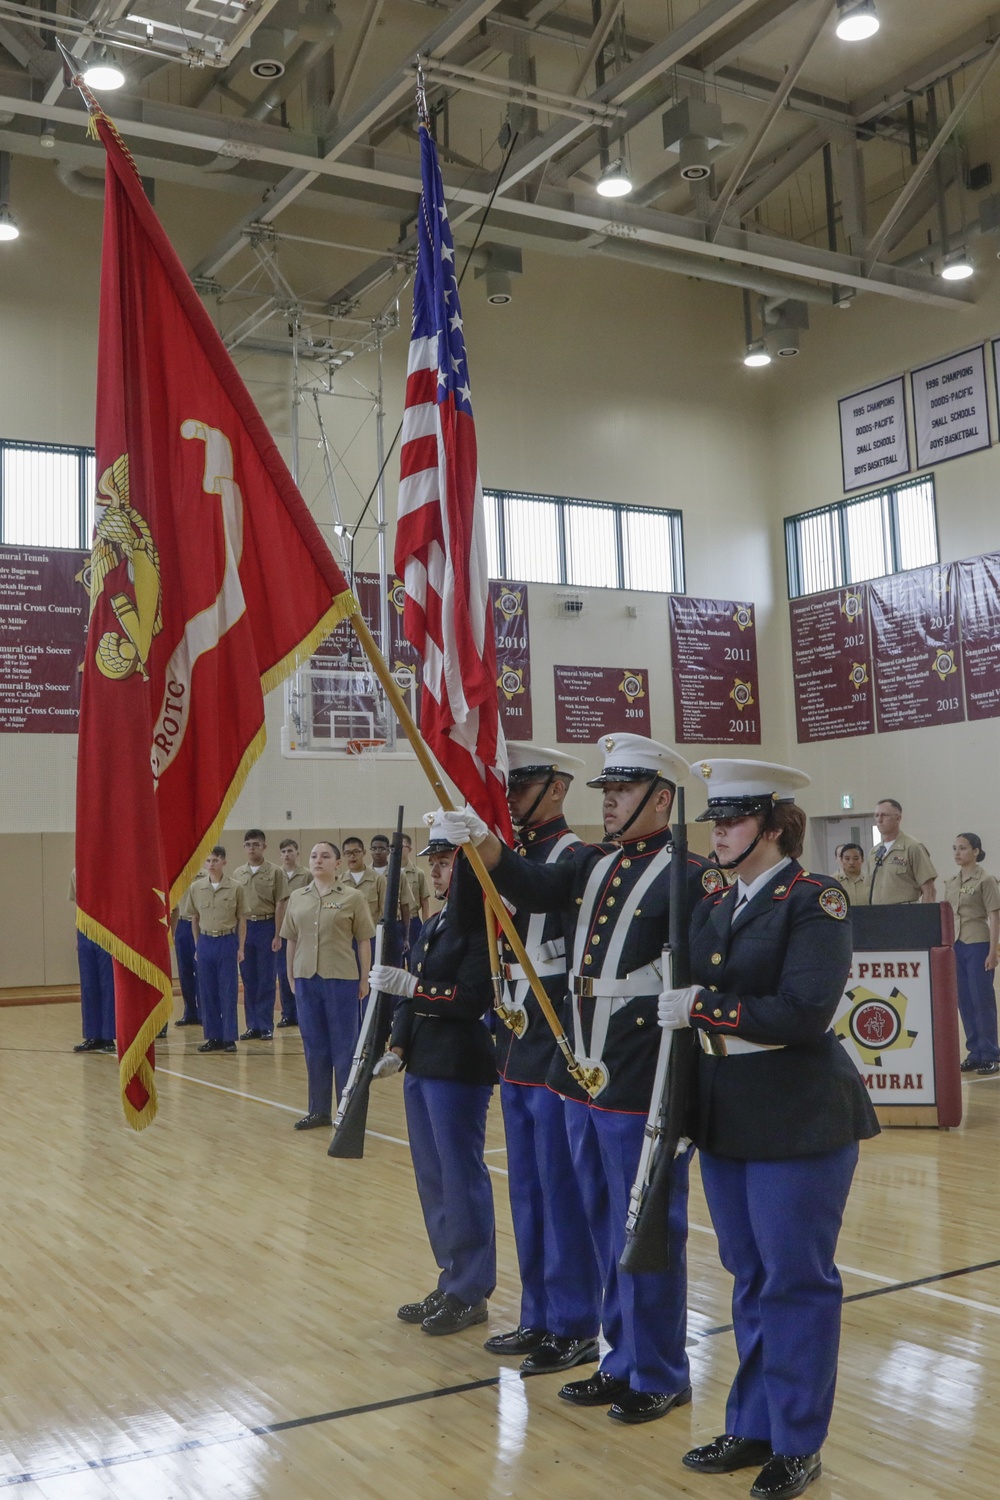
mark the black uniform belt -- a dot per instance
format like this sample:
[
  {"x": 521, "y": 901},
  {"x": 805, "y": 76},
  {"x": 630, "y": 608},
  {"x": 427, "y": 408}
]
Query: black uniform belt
[
  {"x": 269, "y": 918},
  {"x": 228, "y": 933}
]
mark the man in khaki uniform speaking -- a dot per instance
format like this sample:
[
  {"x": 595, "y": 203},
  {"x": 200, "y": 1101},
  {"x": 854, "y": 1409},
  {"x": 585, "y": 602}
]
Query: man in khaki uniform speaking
[
  {"x": 898, "y": 868},
  {"x": 264, "y": 887}
]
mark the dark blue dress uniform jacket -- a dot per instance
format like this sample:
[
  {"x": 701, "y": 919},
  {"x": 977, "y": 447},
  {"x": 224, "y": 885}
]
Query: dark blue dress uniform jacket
[
  {"x": 778, "y": 978},
  {"x": 441, "y": 1030},
  {"x": 633, "y": 1036}
]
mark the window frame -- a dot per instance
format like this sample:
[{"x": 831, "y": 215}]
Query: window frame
[
  {"x": 563, "y": 504},
  {"x": 838, "y": 513},
  {"x": 84, "y": 500}
]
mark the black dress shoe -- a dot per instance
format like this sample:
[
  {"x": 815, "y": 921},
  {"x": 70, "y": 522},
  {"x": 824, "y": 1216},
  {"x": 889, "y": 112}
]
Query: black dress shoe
[
  {"x": 521, "y": 1340},
  {"x": 229, "y": 1047},
  {"x": 786, "y": 1475},
  {"x": 453, "y": 1315},
  {"x": 556, "y": 1353},
  {"x": 89, "y": 1044},
  {"x": 599, "y": 1390},
  {"x": 108, "y": 1045},
  {"x": 188, "y": 1021},
  {"x": 265, "y": 1036},
  {"x": 162, "y": 1032},
  {"x": 312, "y": 1122},
  {"x": 251, "y": 1034},
  {"x": 646, "y": 1406},
  {"x": 989, "y": 1067},
  {"x": 970, "y": 1065},
  {"x": 210, "y": 1047},
  {"x": 287, "y": 1021},
  {"x": 416, "y": 1312},
  {"x": 726, "y": 1453}
]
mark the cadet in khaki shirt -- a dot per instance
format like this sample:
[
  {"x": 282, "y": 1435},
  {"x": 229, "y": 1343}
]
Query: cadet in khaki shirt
[
  {"x": 295, "y": 877},
  {"x": 899, "y": 868},
  {"x": 420, "y": 890},
  {"x": 217, "y": 908},
  {"x": 327, "y": 923},
  {"x": 264, "y": 885},
  {"x": 975, "y": 899},
  {"x": 369, "y": 883},
  {"x": 379, "y": 850},
  {"x": 851, "y": 875}
]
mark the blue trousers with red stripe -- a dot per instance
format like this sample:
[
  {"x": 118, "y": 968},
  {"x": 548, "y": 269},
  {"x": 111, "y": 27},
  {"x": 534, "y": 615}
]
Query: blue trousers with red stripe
[
  {"x": 644, "y": 1317},
  {"x": 560, "y": 1278}
]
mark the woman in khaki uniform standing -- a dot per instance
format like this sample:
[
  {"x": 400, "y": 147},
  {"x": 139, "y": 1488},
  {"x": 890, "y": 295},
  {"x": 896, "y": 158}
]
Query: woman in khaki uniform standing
[
  {"x": 975, "y": 898},
  {"x": 321, "y": 923}
]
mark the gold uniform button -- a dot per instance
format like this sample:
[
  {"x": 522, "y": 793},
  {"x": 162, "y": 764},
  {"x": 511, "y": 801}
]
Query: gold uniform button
[
  {"x": 641, "y": 845},
  {"x": 637, "y": 912},
  {"x": 595, "y": 940},
  {"x": 530, "y": 836},
  {"x": 697, "y": 1005},
  {"x": 640, "y": 1020},
  {"x": 579, "y": 900},
  {"x": 434, "y": 992},
  {"x": 588, "y": 958},
  {"x": 626, "y": 864},
  {"x": 714, "y": 988},
  {"x": 610, "y": 901},
  {"x": 602, "y": 919},
  {"x": 732, "y": 1015},
  {"x": 617, "y": 880},
  {"x": 717, "y": 1014},
  {"x": 716, "y": 958}
]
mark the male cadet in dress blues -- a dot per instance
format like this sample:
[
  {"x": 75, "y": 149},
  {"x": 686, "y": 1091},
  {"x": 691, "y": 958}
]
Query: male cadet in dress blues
[
  {"x": 618, "y": 900},
  {"x": 439, "y": 1034},
  {"x": 560, "y": 1279},
  {"x": 780, "y": 1111}
]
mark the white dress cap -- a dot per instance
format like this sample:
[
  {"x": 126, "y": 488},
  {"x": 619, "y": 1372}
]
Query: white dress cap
[
  {"x": 739, "y": 787},
  {"x": 632, "y": 757},
  {"x": 530, "y": 762},
  {"x": 438, "y": 841}
]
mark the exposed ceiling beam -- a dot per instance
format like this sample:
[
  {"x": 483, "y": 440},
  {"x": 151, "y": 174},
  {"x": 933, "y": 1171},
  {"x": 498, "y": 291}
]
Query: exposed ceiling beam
[
  {"x": 778, "y": 168},
  {"x": 919, "y": 76},
  {"x": 746, "y": 32}
]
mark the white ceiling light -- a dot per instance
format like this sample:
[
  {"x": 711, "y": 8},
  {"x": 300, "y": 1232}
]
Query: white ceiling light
[
  {"x": 858, "y": 20},
  {"x": 614, "y": 181},
  {"x": 756, "y": 356},
  {"x": 104, "y": 72},
  {"x": 958, "y": 266},
  {"x": 8, "y": 228},
  {"x": 8, "y": 225}
]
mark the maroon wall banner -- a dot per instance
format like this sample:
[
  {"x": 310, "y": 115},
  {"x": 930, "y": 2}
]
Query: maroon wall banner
[
  {"x": 918, "y": 677},
  {"x": 591, "y": 701},
  {"x": 510, "y": 618},
  {"x": 979, "y": 606},
  {"x": 832, "y": 665},
  {"x": 713, "y": 645},
  {"x": 44, "y": 608}
]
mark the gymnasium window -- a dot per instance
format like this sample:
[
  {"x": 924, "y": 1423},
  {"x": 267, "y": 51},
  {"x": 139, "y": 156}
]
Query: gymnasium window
[
  {"x": 589, "y": 543},
  {"x": 885, "y": 531},
  {"x": 46, "y": 495}
]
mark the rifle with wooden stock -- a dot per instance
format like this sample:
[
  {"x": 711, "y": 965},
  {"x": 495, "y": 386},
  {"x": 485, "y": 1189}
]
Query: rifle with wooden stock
[
  {"x": 352, "y": 1114},
  {"x": 646, "y": 1227}
]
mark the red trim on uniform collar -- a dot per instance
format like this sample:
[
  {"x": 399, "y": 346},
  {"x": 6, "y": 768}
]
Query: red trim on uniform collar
[
  {"x": 554, "y": 827},
  {"x": 779, "y": 894},
  {"x": 653, "y": 842}
]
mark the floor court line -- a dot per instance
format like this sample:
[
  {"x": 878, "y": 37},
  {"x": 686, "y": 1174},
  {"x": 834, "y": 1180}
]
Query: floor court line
[{"x": 889, "y": 1283}]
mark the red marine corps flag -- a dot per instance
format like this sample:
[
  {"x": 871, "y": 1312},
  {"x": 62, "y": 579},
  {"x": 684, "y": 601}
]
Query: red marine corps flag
[
  {"x": 441, "y": 527},
  {"x": 209, "y": 583}
]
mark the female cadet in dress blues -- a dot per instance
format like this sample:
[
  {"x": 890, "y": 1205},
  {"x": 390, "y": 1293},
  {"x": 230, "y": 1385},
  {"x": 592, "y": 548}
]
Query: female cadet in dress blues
[
  {"x": 326, "y": 927},
  {"x": 781, "y": 1108},
  {"x": 975, "y": 898},
  {"x": 438, "y": 1033}
]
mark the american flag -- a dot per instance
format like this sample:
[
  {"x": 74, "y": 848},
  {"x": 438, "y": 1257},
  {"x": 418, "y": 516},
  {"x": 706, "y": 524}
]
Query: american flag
[{"x": 441, "y": 527}]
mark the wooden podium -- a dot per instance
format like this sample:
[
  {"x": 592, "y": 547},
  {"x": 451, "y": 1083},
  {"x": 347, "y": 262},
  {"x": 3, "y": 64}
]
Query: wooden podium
[{"x": 899, "y": 1016}]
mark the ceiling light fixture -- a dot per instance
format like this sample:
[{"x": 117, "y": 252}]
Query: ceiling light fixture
[
  {"x": 958, "y": 266},
  {"x": 8, "y": 228},
  {"x": 858, "y": 20},
  {"x": 8, "y": 225},
  {"x": 104, "y": 72},
  {"x": 614, "y": 181},
  {"x": 756, "y": 355}
]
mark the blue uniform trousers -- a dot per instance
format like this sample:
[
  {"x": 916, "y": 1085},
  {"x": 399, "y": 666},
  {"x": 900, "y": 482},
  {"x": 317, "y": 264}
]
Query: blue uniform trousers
[
  {"x": 777, "y": 1224},
  {"x": 257, "y": 970},
  {"x": 97, "y": 989},
  {"x": 329, "y": 1021},
  {"x": 415, "y": 925},
  {"x": 187, "y": 968},
  {"x": 977, "y": 1002},
  {"x": 560, "y": 1279},
  {"x": 218, "y": 986},
  {"x": 446, "y": 1123},
  {"x": 644, "y": 1317},
  {"x": 288, "y": 1006}
]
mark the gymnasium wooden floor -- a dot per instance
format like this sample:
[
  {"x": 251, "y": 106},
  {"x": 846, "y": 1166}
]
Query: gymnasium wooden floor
[{"x": 208, "y": 1309}]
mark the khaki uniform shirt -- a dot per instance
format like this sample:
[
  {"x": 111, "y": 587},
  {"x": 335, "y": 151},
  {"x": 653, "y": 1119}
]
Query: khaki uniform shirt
[
  {"x": 218, "y": 911},
  {"x": 185, "y": 907},
  {"x": 371, "y": 886},
  {"x": 406, "y": 895},
  {"x": 420, "y": 887},
  {"x": 323, "y": 927},
  {"x": 294, "y": 882},
  {"x": 263, "y": 890},
  {"x": 897, "y": 875},
  {"x": 859, "y": 890},
  {"x": 973, "y": 896}
]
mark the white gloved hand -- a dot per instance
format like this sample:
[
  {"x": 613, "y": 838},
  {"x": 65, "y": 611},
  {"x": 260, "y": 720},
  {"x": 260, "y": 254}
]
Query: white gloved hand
[
  {"x": 464, "y": 826},
  {"x": 392, "y": 981},
  {"x": 387, "y": 1066},
  {"x": 673, "y": 1010}
]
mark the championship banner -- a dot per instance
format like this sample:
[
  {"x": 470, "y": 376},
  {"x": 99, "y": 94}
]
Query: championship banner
[
  {"x": 209, "y": 584},
  {"x": 713, "y": 647},
  {"x": 43, "y": 630},
  {"x": 832, "y": 665}
]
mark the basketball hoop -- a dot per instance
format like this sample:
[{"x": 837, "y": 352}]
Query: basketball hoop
[{"x": 366, "y": 752}]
